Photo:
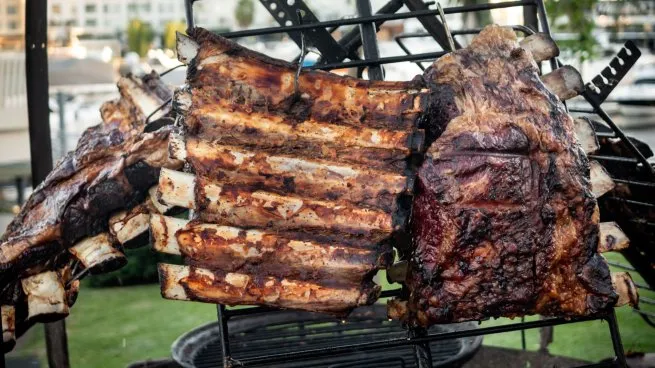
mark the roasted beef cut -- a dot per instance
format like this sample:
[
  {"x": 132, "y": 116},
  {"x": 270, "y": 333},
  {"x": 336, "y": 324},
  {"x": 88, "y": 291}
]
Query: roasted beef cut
[{"x": 504, "y": 221}]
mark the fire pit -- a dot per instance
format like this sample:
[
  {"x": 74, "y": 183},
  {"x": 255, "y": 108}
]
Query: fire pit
[{"x": 288, "y": 331}]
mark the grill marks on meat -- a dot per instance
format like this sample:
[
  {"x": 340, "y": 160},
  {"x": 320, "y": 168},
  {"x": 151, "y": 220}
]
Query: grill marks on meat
[
  {"x": 297, "y": 193},
  {"x": 504, "y": 221},
  {"x": 112, "y": 168}
]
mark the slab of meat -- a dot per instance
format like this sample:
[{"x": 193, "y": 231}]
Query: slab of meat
[
  {"x": 63, "y": 226},
  {"x": 504, "y": 220},
  {"x": 113, "y": 166},
  {"x": 295, "y": 193}
]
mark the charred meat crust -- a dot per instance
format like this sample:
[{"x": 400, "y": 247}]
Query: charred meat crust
[
  {"x": 504, "y": 221},
  {"x": 112, "y": 168}
]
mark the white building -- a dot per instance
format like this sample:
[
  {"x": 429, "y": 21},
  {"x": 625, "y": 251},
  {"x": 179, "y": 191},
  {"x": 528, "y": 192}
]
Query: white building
[{"x": 12, "y": 23}]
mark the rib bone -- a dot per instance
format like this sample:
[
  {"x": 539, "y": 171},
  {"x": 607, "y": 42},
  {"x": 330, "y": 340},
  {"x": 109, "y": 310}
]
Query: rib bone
[
  {"x": 601, "y": 182},
  {"x": 625, "y": 288},
  {"x": 541, "y": 45},
  {"x": 586, "y": 135},
  {"x": 98, "y": 254},
  {"x": 565, "y": 82},
  {"x": 8, "y": 327},
  {"x": 46, "y": 297},
  {"x": 612, "y": 238},
  {"x": 310, "y": 178},
  {"x": 198, "y": 284}
]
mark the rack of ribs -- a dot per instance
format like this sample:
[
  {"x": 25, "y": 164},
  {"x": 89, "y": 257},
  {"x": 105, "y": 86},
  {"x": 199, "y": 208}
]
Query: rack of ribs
[
  {"x": 296, "y": 190},
  {"x": 91, "y": 204}
]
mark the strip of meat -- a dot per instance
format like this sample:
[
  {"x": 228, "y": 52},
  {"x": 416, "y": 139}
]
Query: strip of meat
[
  {"x": 223, "y": 69},
  {"x": 316, "y": 179},
  {"x": 504, "y": 221},
  {"x": 229, "y": 205},
  {"x": 198, "y": 284},
  {"x": 232, "y": 249},
  {"x": 112, "y": 168}
]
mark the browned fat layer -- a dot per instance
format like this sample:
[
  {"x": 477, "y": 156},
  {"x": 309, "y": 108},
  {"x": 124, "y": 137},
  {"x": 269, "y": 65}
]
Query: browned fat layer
[
  {"x": 393, "y": 161},
  {"x": 265, "y": 85},
  {"x": 233, "y": 206},
  {"x": 242, "y": 289},
  {"x": 254, "y": 252},
  {"x": 227, "y": 117},
  {"x": 298, "y": 175}
]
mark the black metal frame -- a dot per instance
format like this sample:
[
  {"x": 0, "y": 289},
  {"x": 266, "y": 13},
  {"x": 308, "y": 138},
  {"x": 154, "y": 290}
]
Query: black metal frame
[{"x": 368, "y": 25}]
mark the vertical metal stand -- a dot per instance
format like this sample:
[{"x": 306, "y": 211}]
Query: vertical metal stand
[
  {"x": 369, "y": 40},
  {"x": 62, "y": 123},
  {"x": 36, "y": 67},
  {"x": 616, "y": 339},
  {"x": 224, "y": 335}
]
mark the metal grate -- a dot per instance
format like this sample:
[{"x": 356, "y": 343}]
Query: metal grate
[{"x": 291, "y": 331}]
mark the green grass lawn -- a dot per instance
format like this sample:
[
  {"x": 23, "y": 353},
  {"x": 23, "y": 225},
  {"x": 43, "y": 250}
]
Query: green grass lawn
[{"x": 112, "y": 327}]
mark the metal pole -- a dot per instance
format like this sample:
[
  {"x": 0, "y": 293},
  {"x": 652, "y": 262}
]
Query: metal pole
[
  {"x": 62, "y": 123},
  {"x": 369, "y": 39},
  {"x": 224, "y": 335},
  {"x": 616, "y": 339},
  {"x": 36, "y": 67}
]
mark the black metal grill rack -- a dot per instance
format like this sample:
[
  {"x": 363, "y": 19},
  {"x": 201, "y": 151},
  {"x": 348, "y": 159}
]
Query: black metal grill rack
[
  {"x": 297, "y": 20},
  {"x": 333, "y": 53}
]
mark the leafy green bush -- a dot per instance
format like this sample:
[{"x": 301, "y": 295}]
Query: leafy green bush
[{"x": 141, "y": 268}]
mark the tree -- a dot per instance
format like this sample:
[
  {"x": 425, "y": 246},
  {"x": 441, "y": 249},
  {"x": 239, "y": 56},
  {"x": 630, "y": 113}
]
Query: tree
[
  {"x": 170, "y": 29},
  {"x": 574, "y": 17},
  {"x": 244, "y": 13},
  {"x": 139, "y": 36}
]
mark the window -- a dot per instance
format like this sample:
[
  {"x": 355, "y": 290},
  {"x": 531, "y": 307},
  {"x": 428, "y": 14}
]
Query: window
[
  {"x": 105, "y": 8},
  {"x": 131, "y": 8},
  {"x": 56, "y": 9},
  {"x": 91, "y": 22},
  {"x": 13, "y": 24},
  {"x": 12, "y": 9},
  {"x": 145, "y": 7},
  {"x": 90, "y": 8}
]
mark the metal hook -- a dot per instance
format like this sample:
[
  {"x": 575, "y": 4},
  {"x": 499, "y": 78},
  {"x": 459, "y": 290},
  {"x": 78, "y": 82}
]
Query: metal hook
[
  {"x": 171, "y": 69},
  {"x": 451, "y": 42},
  {"x": 157, "y": 109},
  {"x": 301, "y": 58}
]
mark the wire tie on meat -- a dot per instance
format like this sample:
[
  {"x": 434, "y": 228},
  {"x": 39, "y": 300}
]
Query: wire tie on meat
[
  {"x": 301, "y": 58},
  {"x": 449, "y": 35}
]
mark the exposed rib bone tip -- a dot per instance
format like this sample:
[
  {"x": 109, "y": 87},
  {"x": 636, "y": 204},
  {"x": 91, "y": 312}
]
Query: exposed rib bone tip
[
  {"x": 565, "y": 82},
  {"x": 586, "y": 135},
  {"x": 626, "y": 289},
  {"x": 612, "y": 238},
  {"x": 541, "y": 45},
  {"x": 601, "y": 182},
  {"x": 187, "y": 48},
  {"x": 162, "y": 233}
]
